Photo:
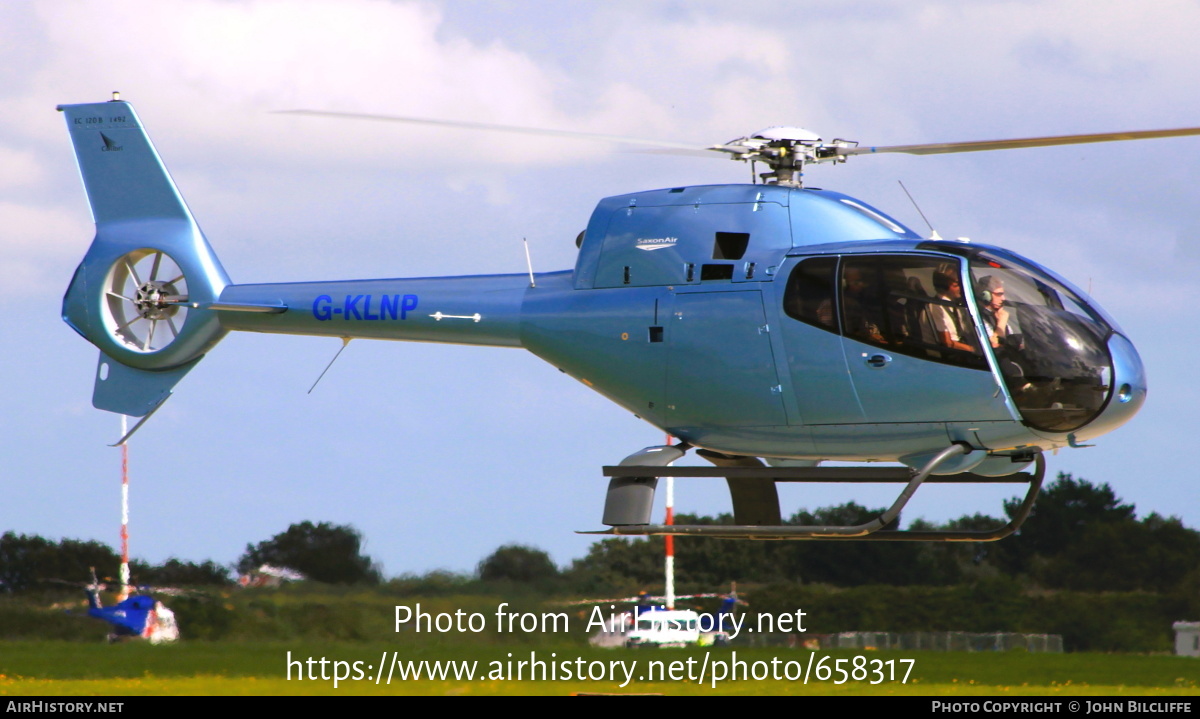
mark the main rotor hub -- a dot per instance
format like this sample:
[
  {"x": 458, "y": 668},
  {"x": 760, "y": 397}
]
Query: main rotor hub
[{"x": 785, "y": 150}]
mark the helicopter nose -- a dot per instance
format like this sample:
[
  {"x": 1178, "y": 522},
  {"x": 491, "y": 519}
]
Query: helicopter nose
[{"x": 1128, "y": 389}]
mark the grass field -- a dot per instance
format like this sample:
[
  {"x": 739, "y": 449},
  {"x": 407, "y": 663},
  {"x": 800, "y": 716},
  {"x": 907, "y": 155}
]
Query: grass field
[{"x": 233, "y": 668}]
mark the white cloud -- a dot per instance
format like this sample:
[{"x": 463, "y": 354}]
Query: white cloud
[
  {"x": 19, "y": 168},
  {"x": 41, "y": 247},
  {"x": 211, "y": 71}
]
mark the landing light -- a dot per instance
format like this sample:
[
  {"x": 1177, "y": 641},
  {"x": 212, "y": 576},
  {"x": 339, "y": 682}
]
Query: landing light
[{"x": 1125, "y": 393}]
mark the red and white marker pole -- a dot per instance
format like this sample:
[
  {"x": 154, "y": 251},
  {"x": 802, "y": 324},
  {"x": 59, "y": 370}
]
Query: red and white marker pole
[
  {"x": 124, "y": 594},
  {"x": 670, "y": 539}
]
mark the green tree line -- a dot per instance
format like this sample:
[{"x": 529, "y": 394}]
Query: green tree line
[
  {"x": 1084, "y": 565},
  {"x": 1080, "y": 536}
]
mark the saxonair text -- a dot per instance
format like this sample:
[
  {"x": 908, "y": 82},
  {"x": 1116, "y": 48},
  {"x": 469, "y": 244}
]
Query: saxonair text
[{"x": 711, "y": 668}]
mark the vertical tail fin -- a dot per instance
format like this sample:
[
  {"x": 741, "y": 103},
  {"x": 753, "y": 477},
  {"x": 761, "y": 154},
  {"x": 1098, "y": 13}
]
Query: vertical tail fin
[{"x": 140, "y": 294}]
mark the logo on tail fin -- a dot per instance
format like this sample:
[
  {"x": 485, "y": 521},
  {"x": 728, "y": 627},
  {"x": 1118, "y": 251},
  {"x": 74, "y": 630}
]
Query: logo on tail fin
[{"x": 109, "y": 145}]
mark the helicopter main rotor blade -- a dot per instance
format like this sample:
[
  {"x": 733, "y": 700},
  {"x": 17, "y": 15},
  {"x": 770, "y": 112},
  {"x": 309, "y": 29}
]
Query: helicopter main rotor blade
[
  {"x": 567, "y": 134},
  {"x": 938, "y": 148},
  {"x": 707, "y": 152}
]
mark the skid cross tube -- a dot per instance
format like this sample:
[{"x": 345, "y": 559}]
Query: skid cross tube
[
  {"x": 866, "y": 531},
  {"x": 833, "y": 475}
]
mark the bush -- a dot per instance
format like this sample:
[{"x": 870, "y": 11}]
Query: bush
[{"x": 323, "y": 552}]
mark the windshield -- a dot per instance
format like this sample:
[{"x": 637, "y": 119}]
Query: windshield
[{"x": 1051, "y": 347}]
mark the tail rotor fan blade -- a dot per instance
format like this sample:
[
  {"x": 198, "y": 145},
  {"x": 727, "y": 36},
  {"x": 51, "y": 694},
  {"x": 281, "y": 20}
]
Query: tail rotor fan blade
[{"x": 136, "y": 300}]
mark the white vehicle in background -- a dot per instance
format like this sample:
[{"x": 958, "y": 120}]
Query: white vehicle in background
[
  {"x": 653, "y": 625},
  {"x": 665, "y": 628},
  {"x": 671, "y": 628}
]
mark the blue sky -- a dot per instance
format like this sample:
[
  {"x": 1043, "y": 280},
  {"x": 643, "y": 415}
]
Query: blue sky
[{"x": 439, "y": 454}]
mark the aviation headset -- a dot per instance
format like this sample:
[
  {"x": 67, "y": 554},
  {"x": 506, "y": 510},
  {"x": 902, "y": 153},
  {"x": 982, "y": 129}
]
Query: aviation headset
[{"x": 986, "y": 285}]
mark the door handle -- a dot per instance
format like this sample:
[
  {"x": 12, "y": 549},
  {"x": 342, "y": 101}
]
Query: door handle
[{"x": 878, "y": 360}]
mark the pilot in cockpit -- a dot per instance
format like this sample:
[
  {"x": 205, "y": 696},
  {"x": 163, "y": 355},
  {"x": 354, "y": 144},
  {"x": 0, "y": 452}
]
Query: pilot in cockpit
[{"x": 1000, "y": 326}]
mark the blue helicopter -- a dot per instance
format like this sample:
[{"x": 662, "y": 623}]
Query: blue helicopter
[
  {"x": 136, "y": 616},
  {"x": 770, "y": 326}
]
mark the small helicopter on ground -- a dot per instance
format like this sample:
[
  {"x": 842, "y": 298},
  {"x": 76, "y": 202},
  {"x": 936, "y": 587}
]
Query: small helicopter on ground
[
  {"x": 138, "y": 616},
  {"x": 655, "y": 621},
  {"x": 770, "y": 326}
]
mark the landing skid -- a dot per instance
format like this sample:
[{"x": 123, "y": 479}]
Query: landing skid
[{"x": 757, "y": 503}]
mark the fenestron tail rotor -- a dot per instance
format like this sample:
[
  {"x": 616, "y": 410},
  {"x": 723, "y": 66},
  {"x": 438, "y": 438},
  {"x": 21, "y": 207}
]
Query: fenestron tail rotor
[
  {"x": 144, "y": 291},
  {"x": 145, "y": 300}
]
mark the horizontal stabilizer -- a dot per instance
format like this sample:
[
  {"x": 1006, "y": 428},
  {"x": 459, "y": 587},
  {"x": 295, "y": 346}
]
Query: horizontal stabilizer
[{"x": 131, "y": 391}]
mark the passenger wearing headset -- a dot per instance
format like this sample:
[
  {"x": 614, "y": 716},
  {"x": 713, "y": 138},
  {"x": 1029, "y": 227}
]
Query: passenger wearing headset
[{"x": 950, "y": 320}]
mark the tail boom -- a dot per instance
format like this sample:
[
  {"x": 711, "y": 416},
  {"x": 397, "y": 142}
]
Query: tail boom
[
  {"x": 152, "y": 296},
  {"x": 473, "y": 310}
]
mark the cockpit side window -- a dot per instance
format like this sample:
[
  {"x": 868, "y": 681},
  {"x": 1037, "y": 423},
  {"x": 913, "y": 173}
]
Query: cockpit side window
[
  {"x": 809, "y": 293},
  {"x": 1051, "y": 348}
]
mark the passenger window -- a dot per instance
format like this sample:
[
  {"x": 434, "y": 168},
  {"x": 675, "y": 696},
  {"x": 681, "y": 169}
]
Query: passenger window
[
  {"x": 808, "y": 296},
  {"x": 910, "y": 304},
  {"x": 864, "y": 299}
]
